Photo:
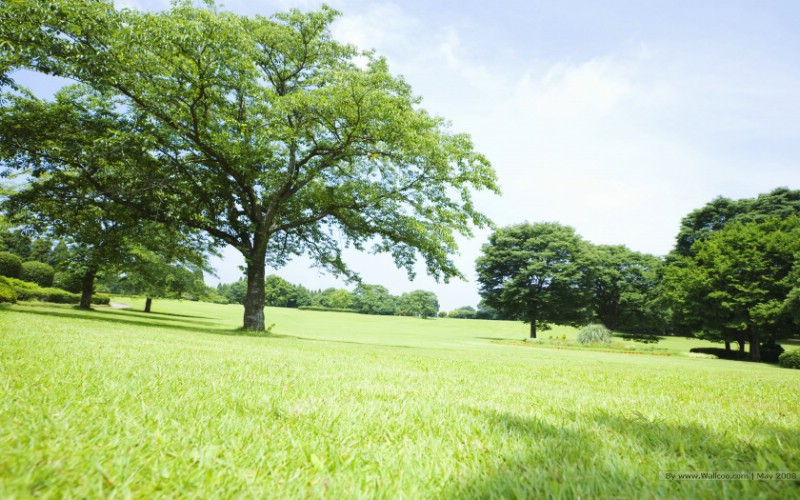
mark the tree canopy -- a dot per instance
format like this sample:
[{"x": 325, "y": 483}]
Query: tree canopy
[
  {"x": 701, "y": 223},
  {"x": 738, "y": 283},
  {"x": 537, "y": 273},
  {"x": 265, "y": 133},
  {"x": 626, "y": 291}
]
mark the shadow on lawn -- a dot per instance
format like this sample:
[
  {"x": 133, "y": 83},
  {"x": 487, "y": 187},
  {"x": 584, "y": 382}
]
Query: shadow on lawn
[
  {"x": 155, "y": 313},
  {"x": 622, "y": 457},
  {"x": 350, "y": 342},
  {"x": 133, "y": 318}
]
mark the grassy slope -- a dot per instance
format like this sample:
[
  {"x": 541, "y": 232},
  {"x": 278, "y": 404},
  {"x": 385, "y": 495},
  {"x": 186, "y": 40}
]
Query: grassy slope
[{"x": 338, "y": 405}]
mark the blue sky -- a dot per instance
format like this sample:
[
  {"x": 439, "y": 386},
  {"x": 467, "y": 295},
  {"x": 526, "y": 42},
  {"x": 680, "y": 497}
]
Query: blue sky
[{"x": 616, "y": 117}]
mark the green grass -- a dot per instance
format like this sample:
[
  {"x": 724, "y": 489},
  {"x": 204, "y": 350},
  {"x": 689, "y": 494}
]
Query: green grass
[{"x": 118, "y": 403}]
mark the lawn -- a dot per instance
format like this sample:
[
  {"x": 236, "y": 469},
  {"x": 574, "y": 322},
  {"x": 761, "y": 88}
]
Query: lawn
[{"x": 120, "y": 403}]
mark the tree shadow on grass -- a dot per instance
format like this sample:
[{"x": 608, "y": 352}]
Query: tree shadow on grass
[
  {"x": 603, "y": 455},
  {"x": 123, "y": 317},
  {"x": 156, "y": 313},
  {"x": 157, "y": 316},
  {"x": 350, "y": 342}
]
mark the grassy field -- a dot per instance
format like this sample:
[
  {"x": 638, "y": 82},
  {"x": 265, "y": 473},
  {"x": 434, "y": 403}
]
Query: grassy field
[{"x": 118, "y": 403}]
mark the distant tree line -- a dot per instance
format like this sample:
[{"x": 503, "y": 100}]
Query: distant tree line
[
  {"x": 364, "y": 299},
  {"x": 733, "y": 276}
]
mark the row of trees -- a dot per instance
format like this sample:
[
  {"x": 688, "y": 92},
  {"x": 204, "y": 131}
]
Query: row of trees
[
  {"x": 48, "y": 262},
  {"x": 365, "y": 298},
  {"x": 734, "y": 276},
  {"x": 194, "y": 126}
]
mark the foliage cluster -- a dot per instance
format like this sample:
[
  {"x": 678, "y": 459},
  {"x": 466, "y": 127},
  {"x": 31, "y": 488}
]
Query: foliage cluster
[
  {"x": 790, "y": 359},
  {"x": 31, "y": 291},
  {"x": 7, "y": 292},
  {"x": 38, "y": 272},
  {"x": 546, "y": 273},
  {"x": 594, "y": 334},
  {"x": 10, "y": 265},
  {"x": 734, "y": 276},
  {"x": 365, "y": 299}
]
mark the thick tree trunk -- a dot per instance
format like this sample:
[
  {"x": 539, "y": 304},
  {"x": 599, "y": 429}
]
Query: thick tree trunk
[
  {"x": 727, "y": 345},
  {"x": 755, "y": 348},
  {"x": 254, "y": 300},
  {"x": 148, "y": 303},
  {"x": 87, "y": 288},
  {"x": 533, "y": 329}
]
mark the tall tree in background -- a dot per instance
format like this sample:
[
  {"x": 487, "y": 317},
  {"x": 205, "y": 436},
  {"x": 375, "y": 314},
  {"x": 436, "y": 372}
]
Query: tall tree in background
[
  {"x": 626, "y": 291},
  {"x": 419, "y": 303},
  {"x": 703, "y": 222},
  {"x": 262, "y": 132},
  {"x": 738, "y": 283},
  {"x": 374, "y": 299},
  {"x": 537, "y": 273}
]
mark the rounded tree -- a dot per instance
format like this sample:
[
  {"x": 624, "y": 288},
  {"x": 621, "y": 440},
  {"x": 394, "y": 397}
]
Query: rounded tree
[
  {"x": 537, "y": 273},
  {"x": 265, "y": 133}
]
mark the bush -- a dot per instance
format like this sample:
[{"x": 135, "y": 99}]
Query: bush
[
  {"x": 771, "y": 354},
  {"x": 54, "y": 295},
  {"x": 99, "y": 299},
  {"x": 10, "y": 265},
  {"x": 790, "y": 359},
  {"x": 594, "y": 334},
  {"x": 31, "y": 291},
  {"x": 7, "y": 292},
  {"x": 38, "y": 272}
]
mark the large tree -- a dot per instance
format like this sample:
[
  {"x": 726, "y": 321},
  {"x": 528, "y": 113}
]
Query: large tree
[
  {"x": 626, "y": 290},
  {"x": 419, "y": 303},
  {"x": 738, "y": 284},
  {"x": 374, "y": 299},
  {"x": 537, "y": 273},
  {"x": 703, "y": 222},
  {"x": 71, "y": 150},
  {"x": 263, "y": 132}
]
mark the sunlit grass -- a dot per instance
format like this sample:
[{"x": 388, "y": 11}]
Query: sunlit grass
[{"x": 177, "y": 403}]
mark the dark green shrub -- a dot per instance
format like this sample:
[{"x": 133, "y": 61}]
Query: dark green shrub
[
  {"x": 54, "y": 295},
  {"x": 10, "y": 265},
  {"x": 771, "y": 353},
  {"x": 790, "y": 359},
  {"x": 31, "y": 291},
  {"x": 38, "y": 272},
  {"x": 7, "y": 292},
  {"x": 594, "y": 334},
  {"x": 99, "y": 299}
]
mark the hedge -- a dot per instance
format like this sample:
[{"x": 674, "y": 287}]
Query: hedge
[
  {"x": 31, "y": 291},
  {"x": 7, "y": 292}
]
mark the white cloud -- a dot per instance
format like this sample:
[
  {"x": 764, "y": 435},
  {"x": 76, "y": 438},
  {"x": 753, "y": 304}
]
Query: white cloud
[{"x": 381, "y": 25}]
